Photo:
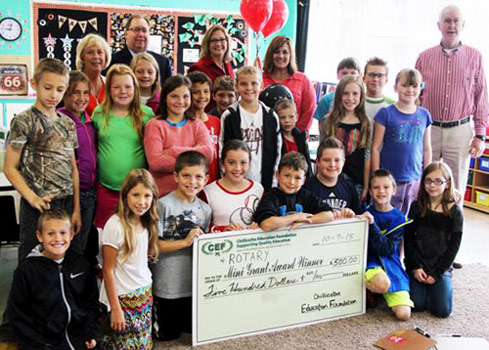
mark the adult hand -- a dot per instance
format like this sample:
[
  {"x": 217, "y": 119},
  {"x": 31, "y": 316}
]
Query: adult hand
[
  {"x": 477, "y": 147},
  {"x": 430, "y": 280},
  {"x": 420, "y": 275}
]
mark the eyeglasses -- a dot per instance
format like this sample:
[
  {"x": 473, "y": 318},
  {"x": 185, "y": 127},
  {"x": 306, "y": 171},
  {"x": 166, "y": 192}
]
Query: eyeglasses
[
  {"x": 437, "y": 182},
  {"x": 376, "y": 75},
  {"x": 215, "y": 41},
  {"x": 138, "y": 30}
]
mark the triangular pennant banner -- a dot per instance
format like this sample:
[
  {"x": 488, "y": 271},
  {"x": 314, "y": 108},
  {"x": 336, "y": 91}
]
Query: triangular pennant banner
[
  {"x": 61, "y": 20},
  {"x": 94, "y": 23},
  {"x": 71, "y": 24},
  {"x": 83, "y": 25}
]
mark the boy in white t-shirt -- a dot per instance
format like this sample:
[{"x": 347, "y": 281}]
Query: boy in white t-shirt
[{"x": 256, "y": 124}]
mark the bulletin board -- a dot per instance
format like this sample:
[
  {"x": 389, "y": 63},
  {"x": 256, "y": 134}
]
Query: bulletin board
[{"x": 176, "y": 34}]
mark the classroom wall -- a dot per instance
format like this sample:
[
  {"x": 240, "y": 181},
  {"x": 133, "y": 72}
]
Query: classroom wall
[
  {"x": 21, "y": 9},
  {"x": 21, "y": 50}
]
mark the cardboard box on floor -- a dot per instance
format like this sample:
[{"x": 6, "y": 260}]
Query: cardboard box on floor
[{"x": 403, "y": 339}]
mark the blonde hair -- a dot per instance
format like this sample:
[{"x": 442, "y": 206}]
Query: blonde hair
[
  {"x": 333, "y": 119},
  {"x": 135, "y": 107},
  {"x": 450, "y": 194},
  {"x": 205, "y": 51},
  {"x": 249, "y": 70},
  {"x": 90, "y": 40},
  {"x": 149, "y": 220},
  {"x": 143, "y": 56},
  {"x": 277, "y": 43},
  {"x": 284, "y": 104}
]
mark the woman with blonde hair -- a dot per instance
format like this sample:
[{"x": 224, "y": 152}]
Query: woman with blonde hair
[{"x": 93, "y": 55}]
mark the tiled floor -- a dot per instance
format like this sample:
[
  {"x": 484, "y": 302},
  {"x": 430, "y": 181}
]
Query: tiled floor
[{"x": 473, "y": 250}]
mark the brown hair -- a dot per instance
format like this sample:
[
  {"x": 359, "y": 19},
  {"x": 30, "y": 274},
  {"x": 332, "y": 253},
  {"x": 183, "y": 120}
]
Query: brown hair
[
  {"x": 135, "y": 108},
  {"x": 52, "y": 214},
  {"x": 376, "y": 61},
  {"x": 382, "y": 173},
  {"x": 149, "y": 220},
  {"x": 277, "y": 43},
  {"x": 224, "y": 82},
  {"x": 170, "y": 84},
  {"x": 206, "y": 42},
  {"x": 350, "y": 63},
  {"x": 327, "y": 143},
  {"x": 191, "y": 158},
  {"x": 51, "y": 65},
  {"x": 76, "y": 77},
  {"x": 294, "y": 160},
  {"x": 333, "y": 119},
  {"x": 234, "y": 145},
  {"x": 450, "y": 195},
  {"x": 128, "y": 23}
]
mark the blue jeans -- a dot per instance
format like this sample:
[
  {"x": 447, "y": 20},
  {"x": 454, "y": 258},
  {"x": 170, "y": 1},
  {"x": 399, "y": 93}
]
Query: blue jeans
[
  {"x": 87, "y": 208},
  {"x": 436, "y": 297},
  {"x": 28, "y": 218}
]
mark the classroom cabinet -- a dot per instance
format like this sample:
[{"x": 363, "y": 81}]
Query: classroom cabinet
[{"x": 477, "y": 193}]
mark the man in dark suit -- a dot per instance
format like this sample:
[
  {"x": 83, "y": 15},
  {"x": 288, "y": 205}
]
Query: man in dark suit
[{"x": 137, "y": 39}]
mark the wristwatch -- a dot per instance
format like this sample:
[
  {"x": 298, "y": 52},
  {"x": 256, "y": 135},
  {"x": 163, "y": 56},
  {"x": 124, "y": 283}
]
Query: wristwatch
[{"x": 481, "y": 137}]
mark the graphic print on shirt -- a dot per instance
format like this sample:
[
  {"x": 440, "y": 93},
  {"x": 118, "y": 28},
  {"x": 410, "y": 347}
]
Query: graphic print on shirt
[
  {"x": 245, "y": 214},
  {"x": 283, "y": 210},
  {"x": 409, "y": 131},
  {"x": 349, "y": 138},
  {"x": 335, "y": 202},
  {"x": 178, "y": 226},
  {"x": 253, "y": 136}
]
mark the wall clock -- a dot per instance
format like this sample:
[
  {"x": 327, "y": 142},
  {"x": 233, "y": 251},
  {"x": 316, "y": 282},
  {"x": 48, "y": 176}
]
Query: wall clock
[{"x": 10, "y": 29}]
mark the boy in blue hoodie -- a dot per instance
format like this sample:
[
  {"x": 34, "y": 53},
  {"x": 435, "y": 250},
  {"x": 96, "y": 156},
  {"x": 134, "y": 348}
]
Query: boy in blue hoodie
[{"x": 385, "y": 274}]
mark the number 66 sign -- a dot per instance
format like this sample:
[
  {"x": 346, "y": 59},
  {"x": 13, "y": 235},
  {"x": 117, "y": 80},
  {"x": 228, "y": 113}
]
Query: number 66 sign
[{"x": 13, "y": 79}]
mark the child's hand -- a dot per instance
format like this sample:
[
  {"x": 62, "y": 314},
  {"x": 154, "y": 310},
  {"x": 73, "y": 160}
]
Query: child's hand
[
  {"x": 91, "y": 344},
  {"x": 420, "y": 275},
  {"x": 41, "y": 203},
  {"x": 363, "y": 195},
  {"x": 76, "y": 221},
  {"x": 430, "y": 280},
  {"x": 234, "y": 227},
  {"x": 303, "y": 218},
  {"x": 367, "y": 216},
  {"x": 192, "y": 235},
  {"x": 253, "y": 226},
  {"x": 345, "y": 213},
  {"x": 117, "y": 321}
]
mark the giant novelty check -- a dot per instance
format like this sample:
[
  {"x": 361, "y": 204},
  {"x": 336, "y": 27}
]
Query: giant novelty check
[{"x": 253, "y": 282}]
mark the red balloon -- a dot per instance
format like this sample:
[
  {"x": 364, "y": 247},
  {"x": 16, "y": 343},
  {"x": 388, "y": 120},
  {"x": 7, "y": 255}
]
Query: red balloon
[
  {"x": 256, "y": 12},
  {"x": 279, "y": 17}
]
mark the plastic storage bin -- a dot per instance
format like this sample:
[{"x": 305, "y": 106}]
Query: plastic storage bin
[
  {"x": 484, "y": 163},
  {"x": 482, "y": 198}
]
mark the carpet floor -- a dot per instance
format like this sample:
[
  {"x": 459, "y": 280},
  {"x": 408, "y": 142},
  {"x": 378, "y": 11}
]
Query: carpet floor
[{"x": 470, "y": 318}]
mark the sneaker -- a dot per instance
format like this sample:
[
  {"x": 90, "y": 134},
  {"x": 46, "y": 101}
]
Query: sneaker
[{"x": 457, "y": 265}]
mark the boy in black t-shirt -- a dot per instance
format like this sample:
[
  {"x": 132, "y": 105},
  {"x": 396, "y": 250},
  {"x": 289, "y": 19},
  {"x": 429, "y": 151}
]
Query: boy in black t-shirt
[
  {"x": 329, "y": 184},
  {"x": 289, "y": 204}
]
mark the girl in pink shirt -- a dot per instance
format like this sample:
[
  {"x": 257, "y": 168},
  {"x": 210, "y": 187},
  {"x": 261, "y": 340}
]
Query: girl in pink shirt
[{"x": 173, "y": 132}]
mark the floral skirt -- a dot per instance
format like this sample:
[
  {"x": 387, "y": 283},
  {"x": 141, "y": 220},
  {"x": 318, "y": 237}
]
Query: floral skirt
[{"x": 137, "y": 308}]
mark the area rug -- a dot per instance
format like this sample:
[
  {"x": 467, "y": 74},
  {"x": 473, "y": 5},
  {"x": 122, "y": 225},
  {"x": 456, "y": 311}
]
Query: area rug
[{"x": 470, "y": 318}]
